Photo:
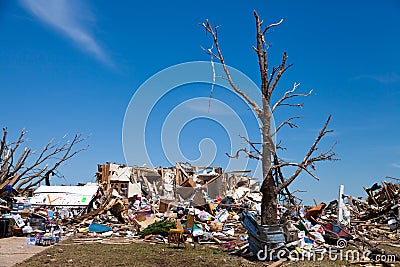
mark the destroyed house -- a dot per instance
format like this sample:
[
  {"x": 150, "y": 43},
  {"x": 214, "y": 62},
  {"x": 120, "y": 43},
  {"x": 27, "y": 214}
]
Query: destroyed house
[
  {"x": 127, "y": 181},
  {"x": 182, "y": 181}
]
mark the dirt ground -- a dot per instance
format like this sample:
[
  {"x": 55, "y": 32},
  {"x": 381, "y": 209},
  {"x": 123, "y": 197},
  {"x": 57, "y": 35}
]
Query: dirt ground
[
  {"x": 14, "y": 250},
  {"x": 134, "y": 253}
]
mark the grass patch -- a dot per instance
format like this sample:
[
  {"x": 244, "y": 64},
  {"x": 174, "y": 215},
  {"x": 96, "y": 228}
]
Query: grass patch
[
  {"x": 133, "y": 254},
  {"x": 68, "y": 253}
]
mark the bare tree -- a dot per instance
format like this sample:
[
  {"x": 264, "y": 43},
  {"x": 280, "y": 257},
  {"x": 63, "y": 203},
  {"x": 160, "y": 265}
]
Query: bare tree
[
  {"x": 24, "y": 168},
  {"x": 274, "y": 182}
]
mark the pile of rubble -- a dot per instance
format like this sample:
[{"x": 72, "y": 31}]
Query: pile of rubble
[
  {"x": 201, "y": 205},
  {"x": 346, "y": 224},
  {"x": 206, "y": 220},
  {"x": 233, "y": 224},
  {"x": 376, "y": 217}
]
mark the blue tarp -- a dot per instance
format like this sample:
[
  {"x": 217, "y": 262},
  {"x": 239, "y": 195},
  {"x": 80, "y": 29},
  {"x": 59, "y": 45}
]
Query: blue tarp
[{"x": 99, "y": 228}]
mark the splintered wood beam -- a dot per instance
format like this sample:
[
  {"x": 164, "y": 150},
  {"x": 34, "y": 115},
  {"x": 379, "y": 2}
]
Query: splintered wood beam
[{"x": 213, "y": 179}]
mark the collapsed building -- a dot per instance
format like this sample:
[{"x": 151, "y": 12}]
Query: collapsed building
[{"x": 181, "y": 182}]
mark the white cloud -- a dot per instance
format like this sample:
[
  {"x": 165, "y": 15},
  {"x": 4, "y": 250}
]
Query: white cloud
[
  {"x": 71, "y": 18},
  {"x": 396, "y": 165},
  {"x": 391, "y": 77}
]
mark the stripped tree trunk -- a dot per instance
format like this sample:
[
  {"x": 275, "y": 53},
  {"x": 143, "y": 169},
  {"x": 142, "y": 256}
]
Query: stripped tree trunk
[{"x": 270, "y": 77}]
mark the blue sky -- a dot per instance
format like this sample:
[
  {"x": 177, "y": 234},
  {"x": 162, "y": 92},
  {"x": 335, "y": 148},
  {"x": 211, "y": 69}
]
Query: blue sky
[{"x": 68, "y": 66}]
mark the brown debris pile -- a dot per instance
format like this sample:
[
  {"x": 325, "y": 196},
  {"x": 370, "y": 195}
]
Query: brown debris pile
[
  {"x": 186, "y": 195},
  {"x": 202, "y": 205}
]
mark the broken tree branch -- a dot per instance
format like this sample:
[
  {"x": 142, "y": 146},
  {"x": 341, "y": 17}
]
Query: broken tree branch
[
  {"x": 287, "y": 122},
  {"x": 307, "y": 161},
  {"x": 251, "y": 144},
  {"x": 290, "y": 94},
  {"x": 19, "y": 168},
  {"x": 214, "y": 33},
  {"x": 244, "y": 150}
]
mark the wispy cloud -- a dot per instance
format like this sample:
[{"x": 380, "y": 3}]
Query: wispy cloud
[
  {"x": 396, "y": 164},
  {"x": 72, "y": 19},
  {"x": 391, "y": 77}
]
